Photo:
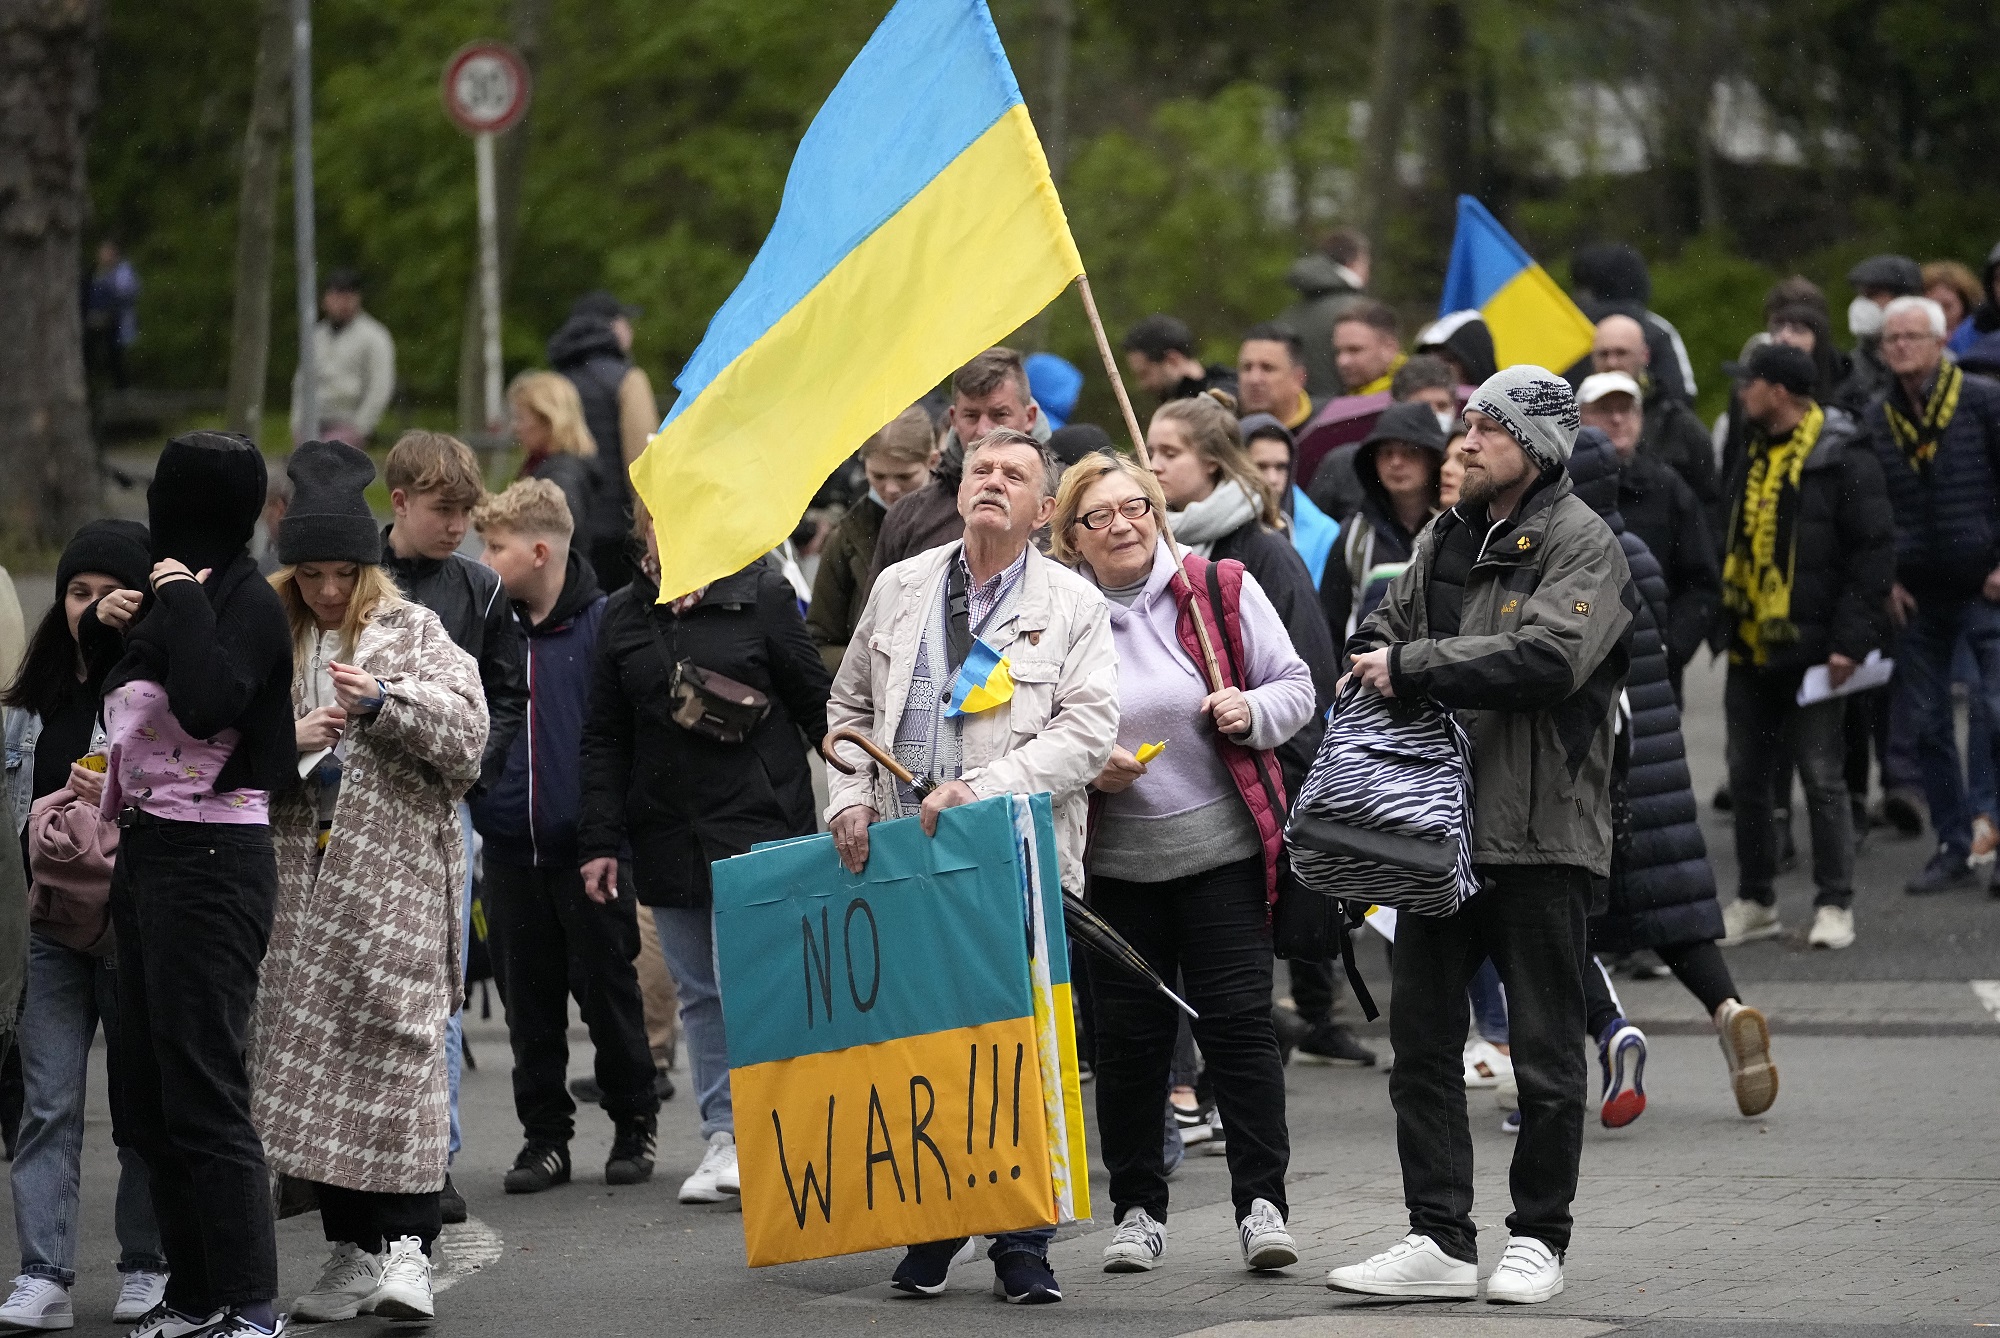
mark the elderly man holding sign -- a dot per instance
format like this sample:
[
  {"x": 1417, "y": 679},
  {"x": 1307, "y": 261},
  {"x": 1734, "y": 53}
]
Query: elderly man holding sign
[{"x": 989, "y": 670}]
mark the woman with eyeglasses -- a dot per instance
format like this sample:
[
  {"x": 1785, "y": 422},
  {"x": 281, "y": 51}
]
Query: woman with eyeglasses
[{"x": 1184, "y": 852}]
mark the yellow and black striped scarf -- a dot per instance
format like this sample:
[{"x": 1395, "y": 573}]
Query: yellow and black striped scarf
[
  {"x": 1918, "y": 441},
  {"x": 1764, "y": 543}
]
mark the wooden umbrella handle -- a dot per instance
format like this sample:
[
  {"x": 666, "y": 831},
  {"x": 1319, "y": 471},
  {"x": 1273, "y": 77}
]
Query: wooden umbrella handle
[{"x": 867, "y": 745}]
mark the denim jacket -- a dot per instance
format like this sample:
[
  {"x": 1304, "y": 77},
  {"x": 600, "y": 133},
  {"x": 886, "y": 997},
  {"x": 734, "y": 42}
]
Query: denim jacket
[{"x": 24, "y": 730}]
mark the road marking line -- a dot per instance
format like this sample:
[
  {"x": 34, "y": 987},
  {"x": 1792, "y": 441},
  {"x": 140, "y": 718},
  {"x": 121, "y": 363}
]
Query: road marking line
[
  {"x": 1989, "y": 994},
  {"x": 464, "y": 1249}
]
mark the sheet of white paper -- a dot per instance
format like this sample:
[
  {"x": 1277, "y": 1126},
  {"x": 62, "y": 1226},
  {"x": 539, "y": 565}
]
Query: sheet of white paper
[
  {"x": 1872, "y": 672},
  {"x": 1382, "y": 919},
  {"x": 311, "y": 760}
]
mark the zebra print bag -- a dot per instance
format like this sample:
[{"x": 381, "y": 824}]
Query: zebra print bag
[{"x": 1385, "y": 816}]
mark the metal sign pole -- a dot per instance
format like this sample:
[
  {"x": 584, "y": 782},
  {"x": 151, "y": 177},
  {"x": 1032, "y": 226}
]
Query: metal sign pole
[
  {"x": 302, "y": 219},
  {"x": 489, "y": 273}
]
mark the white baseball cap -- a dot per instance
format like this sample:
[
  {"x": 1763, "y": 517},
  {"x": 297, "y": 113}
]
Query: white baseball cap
[{"x": 1596, "y": 386}]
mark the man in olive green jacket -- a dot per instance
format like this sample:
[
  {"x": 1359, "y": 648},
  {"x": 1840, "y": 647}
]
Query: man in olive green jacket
[{"x": 1514, "y": 611}]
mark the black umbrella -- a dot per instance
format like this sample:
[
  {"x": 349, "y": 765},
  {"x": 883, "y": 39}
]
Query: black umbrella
[{"x": 1085, "y": 925}]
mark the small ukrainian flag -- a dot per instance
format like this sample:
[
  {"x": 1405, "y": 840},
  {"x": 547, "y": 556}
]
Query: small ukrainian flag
[
  {"x": 984, "y": 681},
  {"x": 1531, "y": 319}
]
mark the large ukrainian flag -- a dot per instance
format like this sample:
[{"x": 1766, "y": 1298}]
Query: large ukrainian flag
[
  {"x": 1532, "y": 320},
  {"x": 919, "y": 225}
]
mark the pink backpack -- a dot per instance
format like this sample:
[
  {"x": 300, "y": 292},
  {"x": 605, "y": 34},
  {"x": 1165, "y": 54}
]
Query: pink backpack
[{"x": 71, "y": 848}]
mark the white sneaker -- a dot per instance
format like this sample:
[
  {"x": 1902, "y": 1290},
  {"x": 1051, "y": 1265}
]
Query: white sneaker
[
  {"x": 1137, "y": 1245},
  {"x": 1485, "y": 1066},
  {"x": 1413, "y": 1266},
  {"x": 38, "y": 1303},
  {"x": 715, "y": 1180},
  {"x": 1746, "y": 1043},
  {"x": 405, "y": 1290},
  {"x": 1217, "y": 1143},
  {"x": 1529, "y": 1274},
  {"x": 1747, "y": 921},
  {"x": 349, "y": 1278},
  {"x": 138, "y": 1292},
  {"x": 1266, "y": 1243},
  {"x": 164, "y": 1322},
  {"x": 1832, "y": 927}
]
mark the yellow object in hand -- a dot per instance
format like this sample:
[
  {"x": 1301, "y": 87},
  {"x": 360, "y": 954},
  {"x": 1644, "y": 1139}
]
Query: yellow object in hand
[
  {"x": 93, "y": 762},
  {"x": 1148, "y": 751}
]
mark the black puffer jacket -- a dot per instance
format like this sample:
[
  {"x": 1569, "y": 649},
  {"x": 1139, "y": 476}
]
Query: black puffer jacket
[
  {"x": 1660, "y": 508},
  {"x": 1948, "y": 514},
  {"x": 677, "y": 799},
  {"x": 468, "y": 600},
  {"x": 1662, "y": 886},
  {"x": 1270, "y": 557},
  {"x": 1846, "y": 551}
]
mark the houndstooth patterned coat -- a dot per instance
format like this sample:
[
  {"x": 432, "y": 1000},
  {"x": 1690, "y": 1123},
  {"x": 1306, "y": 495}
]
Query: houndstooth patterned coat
[{"x": 347, "y": 1063}]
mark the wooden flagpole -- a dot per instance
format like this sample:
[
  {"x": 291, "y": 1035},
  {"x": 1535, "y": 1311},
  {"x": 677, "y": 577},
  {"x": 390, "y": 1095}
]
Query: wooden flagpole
[{"x": 1215, "y": 679}]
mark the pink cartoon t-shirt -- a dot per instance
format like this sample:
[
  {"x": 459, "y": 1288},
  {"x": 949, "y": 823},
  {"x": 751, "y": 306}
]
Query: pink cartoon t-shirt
[{"x": 157, "y": 767}]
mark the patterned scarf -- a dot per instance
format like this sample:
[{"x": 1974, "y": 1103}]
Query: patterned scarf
[
  {"x": 1918, "y": 441},
  {"x": 928, "y": 742},
  {"x": 1764, "y": 543}
]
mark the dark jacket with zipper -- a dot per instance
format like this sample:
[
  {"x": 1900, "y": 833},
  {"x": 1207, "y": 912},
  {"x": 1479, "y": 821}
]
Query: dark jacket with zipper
[
  {"x": 1544, "y": 601},
  {"x": 586, "y": 352},
  {"x": 1270, "y": 557},
  {"x": 1662, "y": 889},
  {"x": 530, "y": 815},
  {"x": 1660, "y": 508},
  {"x": 675, "y": 799},
  {"x": 468, "y": 600},
  {"x": 1948, "y": 513},
  {"x": 1845, "y": 551},
  {"x": 840, "y": 587}
]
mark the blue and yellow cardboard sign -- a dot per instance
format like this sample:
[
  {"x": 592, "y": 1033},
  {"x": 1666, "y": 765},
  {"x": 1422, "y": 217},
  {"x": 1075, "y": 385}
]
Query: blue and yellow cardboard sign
[{"x": 901, "y": 1050}]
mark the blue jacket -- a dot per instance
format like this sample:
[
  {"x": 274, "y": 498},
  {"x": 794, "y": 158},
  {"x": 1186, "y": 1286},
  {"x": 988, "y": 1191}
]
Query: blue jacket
[
  {"x": 1313, "y": 533},
  {"x": 529, "y": 815},
  {"x": 1947, "y": 515}
]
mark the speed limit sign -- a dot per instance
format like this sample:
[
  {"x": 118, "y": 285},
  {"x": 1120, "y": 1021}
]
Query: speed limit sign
[{"x": 486, "y": 88}]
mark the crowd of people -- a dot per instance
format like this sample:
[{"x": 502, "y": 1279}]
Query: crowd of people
[{"x": 264, "y": 753}]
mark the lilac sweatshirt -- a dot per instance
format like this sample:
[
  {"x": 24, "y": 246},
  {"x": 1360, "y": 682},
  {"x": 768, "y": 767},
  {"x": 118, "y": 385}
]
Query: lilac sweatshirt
[{"x": 1184, "y": 815}]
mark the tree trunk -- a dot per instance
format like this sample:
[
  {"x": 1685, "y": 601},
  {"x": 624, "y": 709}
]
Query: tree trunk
[
  {"x": 527, "y": 19},
  {"x": 1388, "y": 97},
  {"x": 48, "y": 90},
  {"x": 256, "y": 219}
]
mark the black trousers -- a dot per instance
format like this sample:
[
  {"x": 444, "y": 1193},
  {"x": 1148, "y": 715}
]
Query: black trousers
[
  {"x": 1212, "y": 929},
  {"x": 1698, "y": 966},
  {"x": 192, "y": 904},
  {"x": 1761, "y": 710},
  {"x": 372, "y": 1220},
  {"x": 556, "y": 942},
  {"x": 1530, "y": 920},
  {"x": 1315, "y": 988}
]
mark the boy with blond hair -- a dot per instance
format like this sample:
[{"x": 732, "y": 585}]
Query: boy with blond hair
[{"x": 549, "y": 939}]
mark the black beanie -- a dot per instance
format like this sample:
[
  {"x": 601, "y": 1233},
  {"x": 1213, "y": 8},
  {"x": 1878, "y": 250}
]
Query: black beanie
[
  {"x": 118, "y": 548},
  {"x": 202, "y": 505},
  {"x": 329, "y": 519}
]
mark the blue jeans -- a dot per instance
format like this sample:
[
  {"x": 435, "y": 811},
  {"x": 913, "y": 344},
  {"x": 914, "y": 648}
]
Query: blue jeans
[
  {"x": 69, "y": 993},
  {"x": 1924, "y": 659},
  {"x": 1982, "y": 791},
  {"x": 1489, "y": 1004},
  {"x": 454, "y": 1026},
  {"x": 687, "y": 941}
]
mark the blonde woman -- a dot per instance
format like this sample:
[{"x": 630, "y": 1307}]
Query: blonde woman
[
  {"x": 556, "y": 445},
  {"x": 347, "y": 1055}
]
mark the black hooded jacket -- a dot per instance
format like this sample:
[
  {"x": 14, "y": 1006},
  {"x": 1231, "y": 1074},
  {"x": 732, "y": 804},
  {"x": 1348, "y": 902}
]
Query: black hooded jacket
[
  {"x": 586, "y": 351},
  {"x": 1372, "y": 539},
  {"x": 222, "y": 648}
]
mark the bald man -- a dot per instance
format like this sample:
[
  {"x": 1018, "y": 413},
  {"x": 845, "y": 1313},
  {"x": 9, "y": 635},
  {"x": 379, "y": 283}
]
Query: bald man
[{"x": 1671, "y": 432}]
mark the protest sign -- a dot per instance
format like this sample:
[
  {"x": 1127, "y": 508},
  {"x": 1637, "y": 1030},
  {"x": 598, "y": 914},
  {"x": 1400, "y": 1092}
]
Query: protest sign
[{"x": 901, "y": 1049}]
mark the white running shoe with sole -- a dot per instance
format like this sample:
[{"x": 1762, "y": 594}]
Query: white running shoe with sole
[
  {"x": 1747, "y": 921},
  {"x": 1137, "y": 1245},
  {"x": 1485, "y": 1066},
  {"x": 1413, "y": 1266},
  {"x": 1529, "y": 1273},
  {"x": 405, "y": 1290},
  {"x": 350, "y": 1277},
  {"x": 164, "y": 1322},
  {"x": 1832, "y": 927},
  {"x": 715, "y": 1180},
  {"x": 40, "y": 1304},
  {"x": 1266, "y": 1243},
  {"x": 1746, "y": 1044},
  {"x": 138, "y": 1292}
]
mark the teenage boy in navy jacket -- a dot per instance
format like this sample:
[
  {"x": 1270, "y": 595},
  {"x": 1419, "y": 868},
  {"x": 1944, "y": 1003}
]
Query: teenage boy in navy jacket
[{"x": 549, "y": 938}]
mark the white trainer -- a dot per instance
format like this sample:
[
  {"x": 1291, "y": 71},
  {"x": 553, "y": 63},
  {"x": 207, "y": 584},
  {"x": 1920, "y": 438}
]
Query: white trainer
[
  {"x": 405, "y": 1290},
  {"x": 1266, "y": 1243},
  {"x": 1529, "y": 1273},
  {"x": 1747, "y": 921},
  {"x": 715, "y": 1180},
  {"x": 1413, "y": 1266},
  {"x": 1485, "y": 1066},
  {"x": 1137, "y": 1245},
  {"x": 138, "y": 1292},
  {"x": 163, "y": 1321},
  {"x": 38, "y": 1303},
  {"x": 1746, "y": 1043},
  {"x": 1832, "y": 927},
  {"x": 349, "y": 1278}
]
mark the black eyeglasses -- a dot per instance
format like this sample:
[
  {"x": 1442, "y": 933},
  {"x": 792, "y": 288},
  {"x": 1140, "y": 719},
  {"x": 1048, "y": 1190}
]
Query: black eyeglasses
[{"x": 1132, "y": 508}]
